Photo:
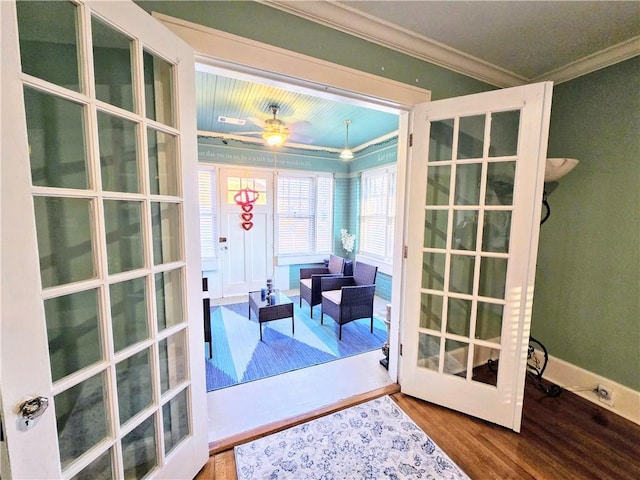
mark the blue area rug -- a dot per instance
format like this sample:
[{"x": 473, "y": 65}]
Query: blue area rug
[{"x": 239, "y": 356}]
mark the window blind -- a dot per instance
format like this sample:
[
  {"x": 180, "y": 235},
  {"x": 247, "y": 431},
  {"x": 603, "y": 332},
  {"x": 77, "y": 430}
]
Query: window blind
[
  {"x": 377, "y": 213},
  {"x": 304, "y": 214},
  {"x": 208, "y": 220}
]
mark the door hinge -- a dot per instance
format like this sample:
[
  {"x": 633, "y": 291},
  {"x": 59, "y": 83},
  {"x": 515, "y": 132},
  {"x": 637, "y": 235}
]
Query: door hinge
[
  {"x": 405, "y": 251},
  {"x": 411, "y": 139},
  {"x": 400, "y": 349}
]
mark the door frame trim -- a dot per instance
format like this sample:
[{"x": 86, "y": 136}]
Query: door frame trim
[{"x": 248, "y": 59}]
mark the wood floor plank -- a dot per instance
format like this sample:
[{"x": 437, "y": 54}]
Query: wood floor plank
[{"x": 563, "y": 437}]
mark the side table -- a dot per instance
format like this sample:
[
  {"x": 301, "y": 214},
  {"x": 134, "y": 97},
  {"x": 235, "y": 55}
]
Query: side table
[{"x": 266, "y": 312}]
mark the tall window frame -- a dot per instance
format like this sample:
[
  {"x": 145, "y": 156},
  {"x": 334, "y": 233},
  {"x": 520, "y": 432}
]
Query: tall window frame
[
  {"x": 377, "y": 213},
  {"x": 304, "y": 216},
  {"x": 208, "y": 205}
]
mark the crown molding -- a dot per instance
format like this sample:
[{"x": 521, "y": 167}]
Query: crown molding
[
  {"x": 356, "y": 23},
  {"x": 353, "y": 22},
  {"x": 602, "y": 59}
]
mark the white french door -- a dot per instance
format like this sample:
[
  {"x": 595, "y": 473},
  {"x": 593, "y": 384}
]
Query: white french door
[
  {"x": 246, "y": 229},
  {"x": 101, "y": 302},
  {"x": 475, "y": 190}
]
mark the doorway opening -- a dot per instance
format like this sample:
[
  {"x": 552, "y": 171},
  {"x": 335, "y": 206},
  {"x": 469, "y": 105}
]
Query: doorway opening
[{"x": 323, "y": 384}]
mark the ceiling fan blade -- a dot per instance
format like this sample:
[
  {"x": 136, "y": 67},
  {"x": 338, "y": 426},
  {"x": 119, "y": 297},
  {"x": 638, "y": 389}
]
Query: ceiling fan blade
[{"x": 258, "y": 122}]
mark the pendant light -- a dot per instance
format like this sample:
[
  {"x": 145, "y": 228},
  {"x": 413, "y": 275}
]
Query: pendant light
[{"x": 346, "y": 154}]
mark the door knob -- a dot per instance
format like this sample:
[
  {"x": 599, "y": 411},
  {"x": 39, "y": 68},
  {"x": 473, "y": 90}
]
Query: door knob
[{"x": 31, "y": 410}]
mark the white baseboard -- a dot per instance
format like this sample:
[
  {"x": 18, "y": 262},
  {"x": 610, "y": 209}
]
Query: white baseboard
[{"x": 626, "y": 401}]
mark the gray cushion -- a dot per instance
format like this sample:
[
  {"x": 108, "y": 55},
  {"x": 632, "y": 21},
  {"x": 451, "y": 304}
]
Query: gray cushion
[{"x": 334, "y": 296}]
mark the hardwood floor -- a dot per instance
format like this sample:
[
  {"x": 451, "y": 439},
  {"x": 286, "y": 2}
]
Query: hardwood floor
[{"x": 563, "y": 437}]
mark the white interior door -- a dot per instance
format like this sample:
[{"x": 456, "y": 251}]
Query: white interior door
[
  {"x": 476, "y": 180},
  {"x": 246, "y": 229},
  {"x": 101, "y": 301}
]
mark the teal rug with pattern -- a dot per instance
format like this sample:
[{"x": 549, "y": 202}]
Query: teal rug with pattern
[{"x": 239, "y": 356}]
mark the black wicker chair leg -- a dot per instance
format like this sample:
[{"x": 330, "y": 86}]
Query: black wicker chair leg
[
  {"x": 371, "y": 330},
  {"x": 321, "y": 318},
  {"x": 340, "y": 334}
]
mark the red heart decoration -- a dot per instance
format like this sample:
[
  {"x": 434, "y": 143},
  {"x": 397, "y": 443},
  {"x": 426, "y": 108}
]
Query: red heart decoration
[
  {"x": 247, "y": 207},
  {"x": 247, "y": 225},
  {"x": 247, "y": 216}
]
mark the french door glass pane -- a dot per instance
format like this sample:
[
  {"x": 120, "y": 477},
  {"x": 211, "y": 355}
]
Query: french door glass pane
[
  {"x": 163, "y": 163},
  {"x": 173, "y": 361},
  {"x": 441, "y": 141},
  {"x": 81, "y": 418},
  {"x": 100, "y": 469},
  {"x": 56, "y": 133},
  {"x": 55, "y": 61},
  {"x": 505, "y": 127},
  {"x": 64, "y": 239},
  {"x": 112, "y": 65},
  {"x": 468, "y": 184},
  {"x": 455, "y": 354},
  {"x": 134, "y": 384},
  {"x": 497, "y": 231},
  {"x": 428, "y": 351},
  {"x": 435, "y": 228},
  {"x": 459, "y": 316},
  {"x": 175, "y": 421},
  {"x": 139, "y": 450},
  {"x": 493, "y": 277},
  {"x": 488, "y": 361},
  {"x": 124, "y": 235},
  {"x": 465, "y": 229},
  {"x": 433, "y": 270},
  {"x": 158, "y": 89},
  {"x": 500, "y": 181},
  {"x": 165, "y": 221},
  {"x": 73, "y": 332},
  {"x": 461, "y": 273},
  {"x": 118, "y": 154},
  {"x": 129, "y": 312},
  {"x": 169, "y": 298},
  {"x": 489, "y": 321},
  {"x": 431, "y": 311},
  {"x": 471, "y": 137},
  {"x": 438, "y": 185}
]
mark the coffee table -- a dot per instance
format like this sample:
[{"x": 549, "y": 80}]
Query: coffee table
[{"x": 282, "y": 308}]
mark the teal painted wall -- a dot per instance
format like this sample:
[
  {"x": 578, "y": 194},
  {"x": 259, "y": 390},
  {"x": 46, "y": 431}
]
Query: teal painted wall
[
  {"x": 383, "y": 286},
  {"x": 274, "y": 27},
  {"x": 587, "y": 297},
  {"x": 586, "y": 308}
]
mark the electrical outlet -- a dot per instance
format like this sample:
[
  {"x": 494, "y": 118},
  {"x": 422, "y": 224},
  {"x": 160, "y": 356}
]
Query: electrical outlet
[{"x": 605, "y": 394}]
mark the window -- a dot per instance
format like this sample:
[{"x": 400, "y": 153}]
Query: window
[
  {"x": 305, "y": 214},
  {"x": 377, "y": 213},
  {"x": 208, "y": 220}
]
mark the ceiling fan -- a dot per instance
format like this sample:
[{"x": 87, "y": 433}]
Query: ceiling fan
[{"x": 274, "y": 131}]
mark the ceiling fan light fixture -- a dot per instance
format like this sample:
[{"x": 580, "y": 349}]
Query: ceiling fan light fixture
[
  {"x": 346, "y": 154},
  {"x": 275, "y": 133}
]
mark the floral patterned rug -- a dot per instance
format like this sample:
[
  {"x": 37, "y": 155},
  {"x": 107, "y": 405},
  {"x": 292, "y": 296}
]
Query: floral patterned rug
[{"x": 373, "y": 440}]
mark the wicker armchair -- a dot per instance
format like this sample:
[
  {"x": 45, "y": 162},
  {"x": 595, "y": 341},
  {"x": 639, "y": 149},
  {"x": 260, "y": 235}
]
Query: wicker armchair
[
  {"x": 310, "y": 280},
  {"x": 349, "y": 298}
]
